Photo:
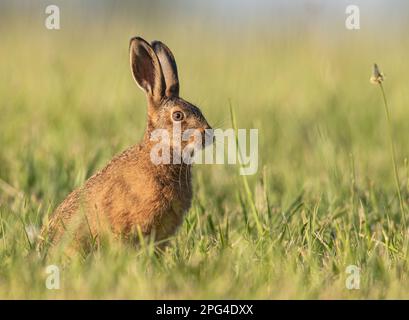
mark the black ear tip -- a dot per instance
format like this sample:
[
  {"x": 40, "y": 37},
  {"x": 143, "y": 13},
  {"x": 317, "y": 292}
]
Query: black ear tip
[
  {"x": 137, "y": 40},
  {"x": 134, "y": 39},
  {"x": 156, "y": 45}
]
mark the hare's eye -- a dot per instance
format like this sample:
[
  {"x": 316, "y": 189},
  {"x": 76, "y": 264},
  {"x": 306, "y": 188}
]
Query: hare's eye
[{"x": 178, "y": 116}]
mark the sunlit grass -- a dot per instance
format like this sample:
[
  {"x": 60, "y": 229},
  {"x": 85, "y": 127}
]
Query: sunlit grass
[{"x": 324, "y": 196}]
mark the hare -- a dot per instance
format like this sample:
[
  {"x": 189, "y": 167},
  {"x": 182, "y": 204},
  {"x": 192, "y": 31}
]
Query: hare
[{"x": 132, "y": 194}]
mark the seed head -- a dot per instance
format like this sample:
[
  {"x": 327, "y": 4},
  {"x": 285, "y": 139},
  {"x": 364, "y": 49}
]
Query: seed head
[{"x": 377, "y": 76}]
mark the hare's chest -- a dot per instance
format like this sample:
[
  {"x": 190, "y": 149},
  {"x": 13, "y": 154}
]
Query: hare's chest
[
  {"x": 172, "y": 217},
  {"x": 180, "y": 204}
]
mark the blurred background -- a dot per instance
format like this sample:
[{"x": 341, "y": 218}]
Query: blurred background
[{"x": 290, "y": 69}]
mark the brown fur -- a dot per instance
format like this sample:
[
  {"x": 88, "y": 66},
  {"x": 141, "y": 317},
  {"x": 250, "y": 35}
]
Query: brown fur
[{"x": 131, "y": 192}]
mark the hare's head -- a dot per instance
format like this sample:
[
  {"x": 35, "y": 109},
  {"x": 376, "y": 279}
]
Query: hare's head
[{"x": 154, "y": 70}]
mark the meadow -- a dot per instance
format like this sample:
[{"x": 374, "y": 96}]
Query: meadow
[{"x": 324, "y": 196}]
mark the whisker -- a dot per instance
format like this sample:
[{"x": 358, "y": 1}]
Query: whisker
[{"x": 220, "y": 123}]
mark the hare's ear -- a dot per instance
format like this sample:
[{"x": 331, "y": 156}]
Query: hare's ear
[
  {"x": 170, "y": 71},
  {"x": 146, "y": 69}
]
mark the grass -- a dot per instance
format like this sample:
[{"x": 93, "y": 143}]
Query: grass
[
  {"x": 324, "y": 197},
  {"x": 393, "y": 156}
]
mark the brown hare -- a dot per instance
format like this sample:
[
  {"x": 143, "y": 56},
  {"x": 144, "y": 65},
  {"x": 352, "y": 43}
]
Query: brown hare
[{"x": 132, "y": 194}]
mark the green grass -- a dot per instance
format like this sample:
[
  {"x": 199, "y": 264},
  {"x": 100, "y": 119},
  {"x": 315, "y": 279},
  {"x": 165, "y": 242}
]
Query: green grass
[{"x": 324, "y": 196}]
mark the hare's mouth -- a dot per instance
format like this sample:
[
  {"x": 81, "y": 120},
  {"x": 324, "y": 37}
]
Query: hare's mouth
[{"x": 202, "y": 140}]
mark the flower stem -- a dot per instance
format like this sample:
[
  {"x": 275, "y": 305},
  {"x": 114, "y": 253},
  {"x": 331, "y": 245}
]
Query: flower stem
[{"x": 392, "y": 146}]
